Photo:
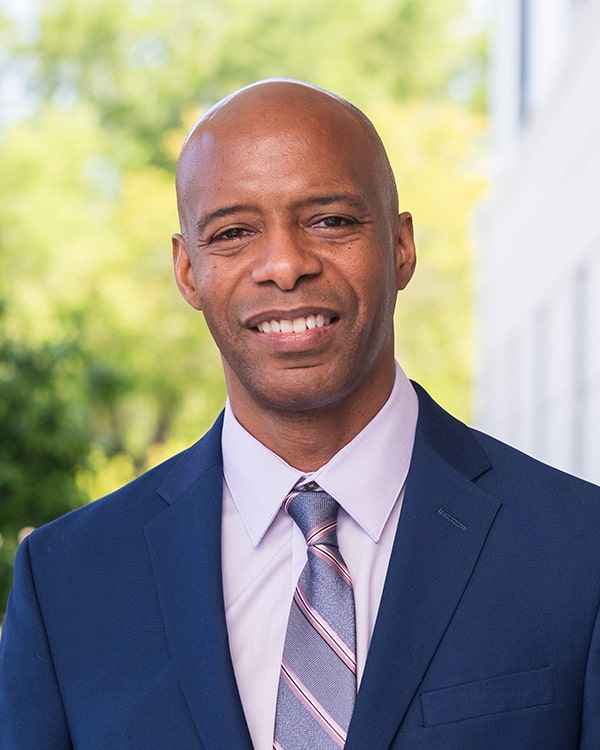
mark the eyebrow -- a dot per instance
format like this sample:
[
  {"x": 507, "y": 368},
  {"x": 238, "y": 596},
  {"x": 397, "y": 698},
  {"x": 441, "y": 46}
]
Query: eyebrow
[
  {"x": 312, "y": 200},
  {"x": 219, "y": 213},
  {"x": 328, "y": 199}
]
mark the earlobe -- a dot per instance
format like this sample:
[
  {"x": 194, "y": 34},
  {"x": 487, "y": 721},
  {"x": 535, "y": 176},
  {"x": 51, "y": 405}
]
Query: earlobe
[
  {"x": 184, "y": 273},
  {"x": 406, "y": 253}
]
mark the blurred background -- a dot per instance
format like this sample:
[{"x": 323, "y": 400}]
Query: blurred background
[
  {"x": 537, "y": 304},
  {"x": 486, "y": 110}
]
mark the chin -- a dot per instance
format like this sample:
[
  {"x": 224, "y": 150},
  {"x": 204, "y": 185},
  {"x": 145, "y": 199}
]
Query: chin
[{"x": 294, "y": 401}]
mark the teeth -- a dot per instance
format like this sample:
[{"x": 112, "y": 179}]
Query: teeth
[{"x": 297, "y": 325}]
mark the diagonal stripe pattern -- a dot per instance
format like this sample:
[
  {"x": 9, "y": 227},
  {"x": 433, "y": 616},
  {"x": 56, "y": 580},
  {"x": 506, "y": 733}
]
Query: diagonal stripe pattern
[{"x": 317, "y": 683}]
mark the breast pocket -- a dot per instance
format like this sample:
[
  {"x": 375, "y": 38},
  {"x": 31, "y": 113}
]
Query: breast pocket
[{"x": 484, "y": 697}]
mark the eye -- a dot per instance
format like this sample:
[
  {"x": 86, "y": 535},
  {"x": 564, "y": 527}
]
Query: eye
[
  {"x": 233, "y": 233},
  {"x": 334, "y": 222}
]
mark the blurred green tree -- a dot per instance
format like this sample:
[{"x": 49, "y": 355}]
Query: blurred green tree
[
  {"x": 45, "y": 436},
  {"x": 142, "y": 64}
]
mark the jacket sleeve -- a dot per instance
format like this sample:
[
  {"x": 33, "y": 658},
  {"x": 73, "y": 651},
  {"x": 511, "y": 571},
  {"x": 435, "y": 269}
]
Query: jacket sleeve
[
  {"x": 590, "y": 720},
  {"x": 32, "y": 715}
]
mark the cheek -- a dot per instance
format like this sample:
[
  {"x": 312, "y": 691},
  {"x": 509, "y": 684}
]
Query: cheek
[
  {"x": 219, "y": 305},
  {"x": 375, "y": 284},
  {"x": 213, "y": 287}
]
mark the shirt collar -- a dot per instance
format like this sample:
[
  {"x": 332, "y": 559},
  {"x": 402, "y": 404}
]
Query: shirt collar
[{"x": 366, "y": 476}]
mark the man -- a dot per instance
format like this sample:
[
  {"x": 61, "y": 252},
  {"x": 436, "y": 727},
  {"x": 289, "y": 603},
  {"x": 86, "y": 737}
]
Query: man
[{"x": 158, "y": 616}]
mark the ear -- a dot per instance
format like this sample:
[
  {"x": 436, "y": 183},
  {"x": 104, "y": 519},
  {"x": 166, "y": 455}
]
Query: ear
[
  {"x": 406, "y": 253},
  {"x": 184, "y": 272}
]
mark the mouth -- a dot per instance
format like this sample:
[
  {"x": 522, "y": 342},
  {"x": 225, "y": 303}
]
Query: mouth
[{"x": 294, "y": 325}]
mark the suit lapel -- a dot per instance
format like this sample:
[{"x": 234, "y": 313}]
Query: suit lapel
[
  {"x": 443, "y": 526},
  {"x": 185, "y": 548}
]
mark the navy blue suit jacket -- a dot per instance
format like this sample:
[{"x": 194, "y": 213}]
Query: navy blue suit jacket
[{"x": 487, "y": 636}]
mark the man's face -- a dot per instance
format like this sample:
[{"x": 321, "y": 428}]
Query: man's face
[{"x": 293, "y": 257}]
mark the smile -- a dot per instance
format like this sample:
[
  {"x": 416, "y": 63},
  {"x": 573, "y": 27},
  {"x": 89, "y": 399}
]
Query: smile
[{"x": 297, "y": 325}]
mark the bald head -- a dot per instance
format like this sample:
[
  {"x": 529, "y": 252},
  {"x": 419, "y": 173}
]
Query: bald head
[
  {"x": 288, "y": 93},
  {"x": 281, "y": 108}
]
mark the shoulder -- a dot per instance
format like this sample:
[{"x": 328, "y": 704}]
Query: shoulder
[
  {"x": 545, "y": 514},
  {"x": 519, "y": 481},
  {"x": 526, "y": 475},
  {"x": 138, "y": 497},
  {"x": 126, "y": 511}
]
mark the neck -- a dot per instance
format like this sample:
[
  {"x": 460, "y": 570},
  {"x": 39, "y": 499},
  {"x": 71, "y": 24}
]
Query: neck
[{"x": 308, "y": 439}]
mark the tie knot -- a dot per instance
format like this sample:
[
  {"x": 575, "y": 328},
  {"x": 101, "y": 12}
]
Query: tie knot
[{"x": 314, "y": 512}]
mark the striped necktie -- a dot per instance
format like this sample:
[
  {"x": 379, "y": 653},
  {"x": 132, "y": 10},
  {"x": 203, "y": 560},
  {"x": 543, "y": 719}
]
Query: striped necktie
[{"x": 317, "y": 682}]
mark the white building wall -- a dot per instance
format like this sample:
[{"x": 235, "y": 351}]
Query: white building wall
[{"x": 538, "y": 287}]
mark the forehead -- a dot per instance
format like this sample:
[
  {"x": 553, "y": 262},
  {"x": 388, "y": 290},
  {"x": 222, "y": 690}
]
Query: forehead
[{"x": 278, "y": 146}]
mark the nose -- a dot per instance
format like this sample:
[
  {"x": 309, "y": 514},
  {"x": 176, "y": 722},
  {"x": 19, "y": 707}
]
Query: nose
[{"x": 285, "y": 258}]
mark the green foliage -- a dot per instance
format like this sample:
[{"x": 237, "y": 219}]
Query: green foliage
[
  {"x": 436, "y": 151},
  {"x": 104, "y": 369},
  {"x": 43, "y": 433},
  {"x": 144, "y": 63},
  {"x": 44, "y": 437}
]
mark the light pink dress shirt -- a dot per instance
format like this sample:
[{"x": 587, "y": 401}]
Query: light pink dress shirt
[{"x": 264, "y": 552}]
